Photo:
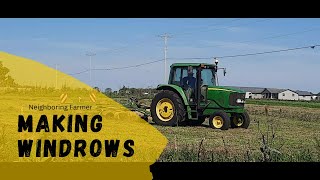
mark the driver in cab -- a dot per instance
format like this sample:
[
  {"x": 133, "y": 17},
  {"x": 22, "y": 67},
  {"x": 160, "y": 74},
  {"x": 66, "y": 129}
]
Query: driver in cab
[{"x": 189, "y": 82}]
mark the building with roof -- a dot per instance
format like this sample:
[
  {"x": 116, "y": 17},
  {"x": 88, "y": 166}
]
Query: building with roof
[
  {"x": 257, "y": 93},
  {"x": 271, "y": 93},
  {"x": 288, "y": 95},
  {"x": 275, "y": 93},
  {"x": 305, "y": 95}
]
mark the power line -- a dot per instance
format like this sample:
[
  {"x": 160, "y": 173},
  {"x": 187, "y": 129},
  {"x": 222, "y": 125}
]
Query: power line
[
  {"x": 266, "y": 52},
  {"x": 203, "y": 58},
  {"x": 270, "y": 37},
  {"x": 116, "y": 68},
  {"x": 84, "y": 71},
  {"x": 117, "y": 50},
  {"x": 210, "y": 25},
  {"x": 248, "y": 54},
  {"x": 126, "y": 67},
  {"x": 293, "y": 33}
]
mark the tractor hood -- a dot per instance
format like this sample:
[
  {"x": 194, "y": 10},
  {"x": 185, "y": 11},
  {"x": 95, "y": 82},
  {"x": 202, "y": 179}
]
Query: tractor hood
[{"x": 226, "y": 97}]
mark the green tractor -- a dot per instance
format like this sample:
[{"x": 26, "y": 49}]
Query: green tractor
[{"x": 192, "y": 95}]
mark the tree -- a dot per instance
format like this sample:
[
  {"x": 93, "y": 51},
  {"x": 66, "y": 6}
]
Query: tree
[
  {"x": 108, "y": 91},
  {"x": 97, "y": 89},
  {"x": 122, "y": 91},
  {"x": 5, "y": 79}
]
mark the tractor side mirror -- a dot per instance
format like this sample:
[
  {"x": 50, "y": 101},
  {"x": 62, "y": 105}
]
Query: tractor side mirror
[{"x": 224, "y": 72}]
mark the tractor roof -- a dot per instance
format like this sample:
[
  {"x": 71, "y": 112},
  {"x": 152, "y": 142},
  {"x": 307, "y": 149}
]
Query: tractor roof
[{"x": 190, "y": 64}]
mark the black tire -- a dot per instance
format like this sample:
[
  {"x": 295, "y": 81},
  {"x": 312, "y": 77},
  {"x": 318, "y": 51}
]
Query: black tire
[
  {"x": 244, "y": 118},
  {"x": 179, "y": 110},
  {"x": 196, "y": 122},
  {"x": 225, "y": 120}
]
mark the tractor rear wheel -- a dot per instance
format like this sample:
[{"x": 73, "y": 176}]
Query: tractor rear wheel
[
  {"x": 240, "y": 120},
  {"x": 167, "y": 109},
  {"x": 219, "y": 120}
]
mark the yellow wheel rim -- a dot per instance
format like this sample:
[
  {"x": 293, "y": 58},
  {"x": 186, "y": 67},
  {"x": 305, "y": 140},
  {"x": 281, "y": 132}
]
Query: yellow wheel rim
[
  {"x": 165, "y": 109},
  {"x": 238, "y": 121},
  {"x": 217, "y": 122}
]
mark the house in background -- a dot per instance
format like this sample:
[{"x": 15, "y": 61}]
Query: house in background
[
  {"x": 304, "y": 95},
  {"x": 271, "y": 93},
  {"x": 314, "y": 96},
  {"x": 257, "y": 93},
  {"x": 275, "y": 93},
  {"x": 288, "y": 95}
]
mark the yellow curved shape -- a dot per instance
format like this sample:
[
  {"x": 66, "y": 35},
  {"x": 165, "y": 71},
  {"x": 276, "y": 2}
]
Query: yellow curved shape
[
  {"x": 41, "y": 91},
  {"x": 217, "y": 122}
]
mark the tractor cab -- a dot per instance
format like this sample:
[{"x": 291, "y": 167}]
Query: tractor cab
[{"x": 194, "y": 79}]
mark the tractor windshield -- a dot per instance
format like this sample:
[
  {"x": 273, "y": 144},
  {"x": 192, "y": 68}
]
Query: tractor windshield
[{"x": 208, "y": 77}]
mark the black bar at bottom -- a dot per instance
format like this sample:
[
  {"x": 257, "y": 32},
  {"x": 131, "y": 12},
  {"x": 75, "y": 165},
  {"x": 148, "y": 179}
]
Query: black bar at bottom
[{"x": 203, "y": 170}]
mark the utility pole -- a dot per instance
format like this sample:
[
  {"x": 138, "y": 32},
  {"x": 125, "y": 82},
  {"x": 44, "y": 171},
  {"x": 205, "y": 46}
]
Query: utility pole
[
  {"x": 165, "y": 37},
  {"x": 90, "y": 54}
]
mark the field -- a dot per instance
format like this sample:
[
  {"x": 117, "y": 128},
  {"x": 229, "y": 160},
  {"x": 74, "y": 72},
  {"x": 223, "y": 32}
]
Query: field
[
  {"x": 310, "y": 104},
  {"x": 277, "y": 134},
  {"x": 280, "y": 131}
]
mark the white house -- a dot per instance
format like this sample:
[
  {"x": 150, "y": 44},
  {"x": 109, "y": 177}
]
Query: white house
[
  {"x": 257, "y": 96},
  {"x": 314, "y": 96},
  {"x": 288, "y": 95},
  {"x": 251, "y": 92},
  {"x": 304, "y": 95},
  {"x": 248, "y": 95},
  {"x": 275, "y": 93},
  {"x": 272, "y": 93},
  {"x": 257, "y": 93}
]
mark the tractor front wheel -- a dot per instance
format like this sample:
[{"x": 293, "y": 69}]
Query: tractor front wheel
[
  {"x": 219, "y": 120},
  {"x": 167, "y": 109},
  {"x": 240, "y": 120}
]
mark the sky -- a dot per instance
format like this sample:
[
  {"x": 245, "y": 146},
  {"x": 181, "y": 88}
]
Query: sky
[{"x": 120, "y": 42}]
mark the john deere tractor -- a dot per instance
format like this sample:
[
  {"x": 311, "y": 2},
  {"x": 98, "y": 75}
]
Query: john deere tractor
[{"x": 192, "y": 95}]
